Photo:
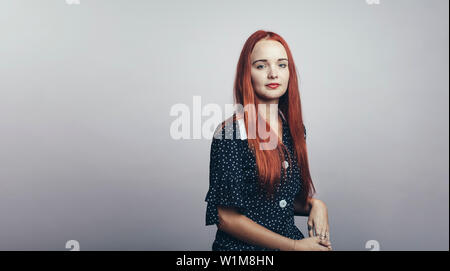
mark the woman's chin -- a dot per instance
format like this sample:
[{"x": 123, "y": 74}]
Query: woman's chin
[{"x": 270, "y": 95}]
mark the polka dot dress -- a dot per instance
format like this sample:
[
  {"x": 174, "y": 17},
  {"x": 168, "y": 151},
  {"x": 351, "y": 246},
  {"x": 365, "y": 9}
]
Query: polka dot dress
[{"x": 233, "y": 181}]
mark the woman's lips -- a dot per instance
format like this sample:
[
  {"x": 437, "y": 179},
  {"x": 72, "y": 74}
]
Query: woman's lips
[{"x": 273, "y": 85}]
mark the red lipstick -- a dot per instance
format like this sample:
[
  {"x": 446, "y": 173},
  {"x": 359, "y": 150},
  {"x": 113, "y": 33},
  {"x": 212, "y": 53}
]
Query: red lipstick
[{"x": 273, "y": 85}]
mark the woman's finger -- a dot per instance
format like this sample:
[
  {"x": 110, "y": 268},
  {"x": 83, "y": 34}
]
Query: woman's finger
[
  {"x": 325, "y": 243},
  {"x": 315, "y": 230},
  {"x": 327, "y": 233},
  {"x": 321, "y": 248},
  {"x": 322, "y": 242},
  {"x": 310, "y": 229},
  {"x": 320, "y": 232}
]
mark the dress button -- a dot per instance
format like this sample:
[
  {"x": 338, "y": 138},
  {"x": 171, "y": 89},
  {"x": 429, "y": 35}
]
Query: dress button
[
  {"x": 282, "y": 203},
  {"x": 285, "y": 164}
]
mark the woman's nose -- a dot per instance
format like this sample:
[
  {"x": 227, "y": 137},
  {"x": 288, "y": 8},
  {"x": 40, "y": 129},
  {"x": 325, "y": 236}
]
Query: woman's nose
[{"x": 272, "y": 74}]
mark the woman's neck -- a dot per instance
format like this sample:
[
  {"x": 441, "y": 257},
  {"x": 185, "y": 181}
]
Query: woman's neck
[{"x": 269, "y": 110}]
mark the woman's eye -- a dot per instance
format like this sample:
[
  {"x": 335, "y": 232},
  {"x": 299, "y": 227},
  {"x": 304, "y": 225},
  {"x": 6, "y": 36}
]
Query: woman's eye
[
  {"x": 283, "y": 65},
  {"x": 260, "y": 67}
]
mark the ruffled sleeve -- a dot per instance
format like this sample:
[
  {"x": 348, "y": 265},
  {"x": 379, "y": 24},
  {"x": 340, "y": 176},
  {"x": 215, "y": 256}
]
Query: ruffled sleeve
[{"x": 226, "y": 183}]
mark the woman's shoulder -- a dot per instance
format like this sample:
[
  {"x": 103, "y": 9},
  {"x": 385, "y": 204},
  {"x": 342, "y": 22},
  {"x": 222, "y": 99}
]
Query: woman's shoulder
[{"x": 232, "y": 128}]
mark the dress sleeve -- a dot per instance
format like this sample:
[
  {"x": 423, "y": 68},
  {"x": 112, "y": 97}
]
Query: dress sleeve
[{"x": 226, "y": 184}]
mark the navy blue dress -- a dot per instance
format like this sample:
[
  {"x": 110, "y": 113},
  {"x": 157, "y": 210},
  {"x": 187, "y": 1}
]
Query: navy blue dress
[{"x": 233, "y": 181}]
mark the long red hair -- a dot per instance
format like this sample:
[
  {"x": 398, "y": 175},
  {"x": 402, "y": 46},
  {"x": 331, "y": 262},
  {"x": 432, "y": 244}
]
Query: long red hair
[{"x": 290, "y": 106}]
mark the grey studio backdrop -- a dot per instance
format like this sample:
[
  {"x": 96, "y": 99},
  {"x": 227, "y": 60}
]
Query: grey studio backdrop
[{"x": 86, "y": 90}]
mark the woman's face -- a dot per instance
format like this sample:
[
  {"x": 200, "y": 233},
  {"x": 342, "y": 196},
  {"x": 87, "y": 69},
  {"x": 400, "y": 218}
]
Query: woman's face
[{"x": 269, "y": 71}]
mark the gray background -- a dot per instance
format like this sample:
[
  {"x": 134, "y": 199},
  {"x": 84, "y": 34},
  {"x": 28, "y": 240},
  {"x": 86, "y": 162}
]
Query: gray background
[{"x": 86, "y": 91}]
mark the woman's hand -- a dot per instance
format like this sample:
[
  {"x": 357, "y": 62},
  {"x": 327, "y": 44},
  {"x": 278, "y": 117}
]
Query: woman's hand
[
  {"x": 312, "y": 244},
  {"x": 318, "y": 220}
]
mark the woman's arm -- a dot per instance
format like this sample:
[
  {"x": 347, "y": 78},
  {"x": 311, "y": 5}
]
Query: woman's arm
[
  {"x": 247, "y": 230},
  {"x": 243, "y": 228},
  {"x": 317, "y": 213}
]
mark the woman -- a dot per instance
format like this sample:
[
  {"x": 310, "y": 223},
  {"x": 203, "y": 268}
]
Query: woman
[{"x": 256, "y": 187}]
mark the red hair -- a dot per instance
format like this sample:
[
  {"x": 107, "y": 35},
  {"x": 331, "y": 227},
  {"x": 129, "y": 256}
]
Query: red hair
[{"x": 290, "y": 106}]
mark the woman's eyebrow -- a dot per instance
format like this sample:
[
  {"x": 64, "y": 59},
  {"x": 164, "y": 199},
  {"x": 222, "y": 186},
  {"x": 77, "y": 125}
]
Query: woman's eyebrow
[{"x": 265, "y": 60}]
